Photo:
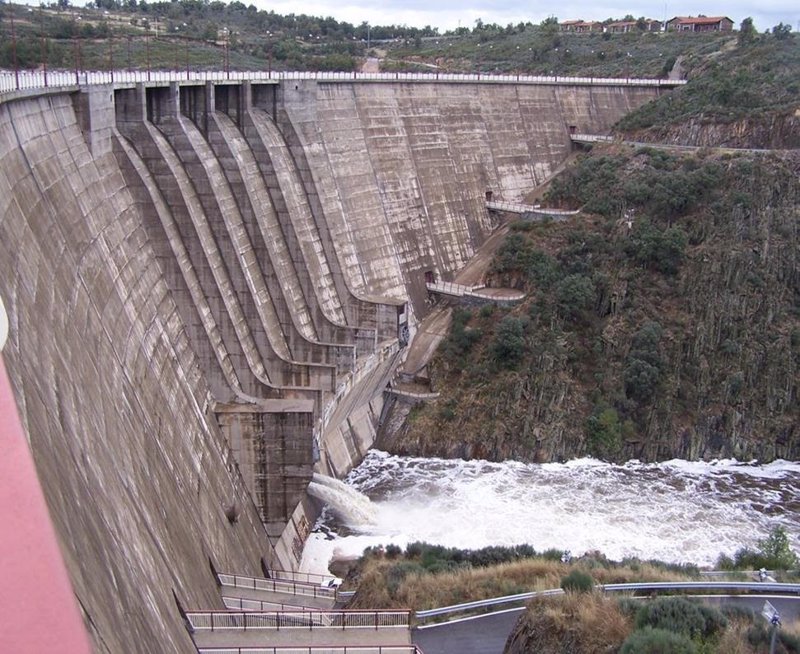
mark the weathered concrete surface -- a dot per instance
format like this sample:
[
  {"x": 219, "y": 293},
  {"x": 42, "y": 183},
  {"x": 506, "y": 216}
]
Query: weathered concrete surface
[
  {"x": 136, "y": 476},
  {"x": 139, "y": 304},
  {"x": 402, "y": 168}
]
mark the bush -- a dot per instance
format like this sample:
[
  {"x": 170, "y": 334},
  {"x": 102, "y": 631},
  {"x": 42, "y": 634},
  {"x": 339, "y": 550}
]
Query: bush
[
  {"x": 461, "y": 337},
  {"x": 651, "y": 247},
  {"x": 776, "y": 551},
  {"x": 604, "y": 432},
  {"x": 577, "y": 581},
  {"x": 657, "y": 641},
  {"x": 393, "y": 551},
  {"x": 575, "y": 296},
  {"x": 643, "y": 364},
  {"x": 508, "y": 345},
  {"x": 682, "y": 616},
  {"x": 398, "y": 572}
]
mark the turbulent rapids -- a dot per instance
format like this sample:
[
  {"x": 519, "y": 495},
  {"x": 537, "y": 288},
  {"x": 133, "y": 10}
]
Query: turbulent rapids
[{"x": 676, "y": 511}]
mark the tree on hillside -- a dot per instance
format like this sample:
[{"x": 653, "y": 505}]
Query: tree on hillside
[
  {"x": 782, "y": 31},
  {"x": 549, "y": 25},
  {"x": 747, "y": 31}
]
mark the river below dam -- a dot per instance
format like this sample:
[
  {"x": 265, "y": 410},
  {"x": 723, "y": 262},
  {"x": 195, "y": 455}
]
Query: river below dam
[{"x": 675, "y": 511}]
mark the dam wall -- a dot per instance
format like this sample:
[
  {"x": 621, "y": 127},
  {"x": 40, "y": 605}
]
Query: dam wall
[
  {"x": 136, "y": 473},
  {"x": 208, "y": 286},
  {"x": 402, "y": 169}
]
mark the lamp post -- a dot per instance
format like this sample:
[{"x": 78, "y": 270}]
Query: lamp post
[
  {"x": 227, "y": 54},
  {"x": 77, "y": 43},
  {"x": 44, "y": 44},
  {"x": 147, "y": 51},
  {"x": 14, "y": 48},
  {"x": 111, "y": 57}
]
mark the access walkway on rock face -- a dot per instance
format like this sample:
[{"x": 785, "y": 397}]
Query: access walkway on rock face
[{"x": 482, "y": 294}]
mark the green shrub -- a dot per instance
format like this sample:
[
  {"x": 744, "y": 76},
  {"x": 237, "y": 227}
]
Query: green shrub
[
  {"x": 657, "y": 641},
  {"x": 604, "y": 432},
  {"x": 774, "y": 553},
  {"x": 575, "y": 295},
  {"x": 461, "y": 337},
  {"x": 683, "y": 616},
  {"x": 508, "y": 345},
  {"x": 777, "y": 552},
  {"x": 577, "y": 581},
  {"x": 643, "y": 364},
  {"x": 399, "y": 571},
  {"x": 662, "y": 250},
  {"x": 393, "y": 551}
]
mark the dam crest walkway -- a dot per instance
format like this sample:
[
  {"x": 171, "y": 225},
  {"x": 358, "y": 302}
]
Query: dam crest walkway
[{"x": 11, "y": 81}]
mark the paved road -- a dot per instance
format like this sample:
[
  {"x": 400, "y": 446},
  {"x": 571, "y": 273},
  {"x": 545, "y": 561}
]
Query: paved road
[
  {"x": 487, "y": 634},
  {"x": 483, "y": 634}
]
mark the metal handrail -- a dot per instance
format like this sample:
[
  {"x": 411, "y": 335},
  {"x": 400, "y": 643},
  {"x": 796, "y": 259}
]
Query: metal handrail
[
  {"x": 781, "y": 588},
  {"x": 245, "y": 604},
  {"x": 277, "y": 586},
  {"x": 304, "y": 577},
  {"x": 311, "y": 619},
  {"x": 25, "y": 80}
]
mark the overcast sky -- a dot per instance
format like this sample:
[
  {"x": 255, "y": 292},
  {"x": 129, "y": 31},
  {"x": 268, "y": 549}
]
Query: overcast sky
[{"x": 449, "y": 14}]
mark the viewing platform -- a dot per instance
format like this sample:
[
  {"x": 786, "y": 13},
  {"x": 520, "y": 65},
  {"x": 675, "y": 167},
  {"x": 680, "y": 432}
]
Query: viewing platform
[
  {"x": 535, "y": 209},
  {"x": 591, "y": 138},
  {"x": 480, "y": 294}
]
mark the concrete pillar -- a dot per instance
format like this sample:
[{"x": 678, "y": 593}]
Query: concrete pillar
[{"x": 94, "y": 108}]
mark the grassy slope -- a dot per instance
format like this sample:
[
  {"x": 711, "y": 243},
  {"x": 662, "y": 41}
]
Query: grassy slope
[{"x": 430, "y": 577}]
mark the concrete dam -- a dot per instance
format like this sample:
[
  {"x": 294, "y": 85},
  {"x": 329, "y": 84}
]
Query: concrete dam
[{"x": 208, "y": 286}]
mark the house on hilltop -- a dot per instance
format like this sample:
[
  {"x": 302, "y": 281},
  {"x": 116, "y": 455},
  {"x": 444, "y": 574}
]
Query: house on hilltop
[
  {"x": 580, "y": 26},
  {"x": 624, "y": 26},
  {"x": 700, "y": 24}
]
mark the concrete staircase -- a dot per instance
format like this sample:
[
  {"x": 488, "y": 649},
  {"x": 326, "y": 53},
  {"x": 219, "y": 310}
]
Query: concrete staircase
[{"x": 291, "y": 611}]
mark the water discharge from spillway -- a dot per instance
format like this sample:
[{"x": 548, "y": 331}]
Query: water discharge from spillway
[
  {"x": 350, "y": 506},
  {"x": 676, "y": 511}
]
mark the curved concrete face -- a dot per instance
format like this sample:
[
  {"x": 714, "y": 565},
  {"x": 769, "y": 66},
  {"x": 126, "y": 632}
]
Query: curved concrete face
[
  {"x": 402, "y": 169},
  {"x": 155, "y": 245}
]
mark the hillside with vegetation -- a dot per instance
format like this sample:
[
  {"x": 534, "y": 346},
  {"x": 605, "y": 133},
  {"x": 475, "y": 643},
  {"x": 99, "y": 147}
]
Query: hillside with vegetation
[
  {"x": 662, "y": 322},
  {"x": 748, "y": 95},
  {"x": 193, "y": 35}
]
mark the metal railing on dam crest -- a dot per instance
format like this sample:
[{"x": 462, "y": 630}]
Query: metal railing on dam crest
[{"x": 11, "y": 81}]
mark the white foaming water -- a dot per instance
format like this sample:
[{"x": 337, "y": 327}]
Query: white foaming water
[
  {"x": 677, "y": 511},
  {"x": 353, "y": 508}
]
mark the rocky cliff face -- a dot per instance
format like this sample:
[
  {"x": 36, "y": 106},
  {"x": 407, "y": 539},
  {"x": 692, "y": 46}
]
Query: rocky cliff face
[
  {"x": 771, "y": 131},
  {"x": 663, "y": 325}
]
